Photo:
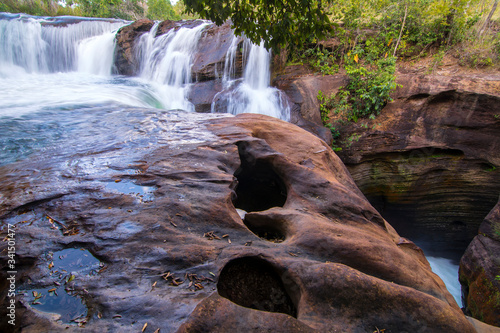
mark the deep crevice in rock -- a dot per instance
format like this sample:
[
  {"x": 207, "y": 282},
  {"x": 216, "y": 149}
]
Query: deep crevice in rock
[
  {"x": 265, "y": 227},
  {"x": 259, "y": 187},
  {"x": 254, "y": 283}
]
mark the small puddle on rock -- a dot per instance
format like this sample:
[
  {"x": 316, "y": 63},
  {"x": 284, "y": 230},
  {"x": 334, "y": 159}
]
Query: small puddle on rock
[
  {"x": 143, "y": 193},
  {"x": 61, "y": 301}
]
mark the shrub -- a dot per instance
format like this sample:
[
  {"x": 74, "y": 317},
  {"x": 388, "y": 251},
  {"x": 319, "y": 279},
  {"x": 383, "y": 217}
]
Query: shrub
[{"x": 368, "y": 90}]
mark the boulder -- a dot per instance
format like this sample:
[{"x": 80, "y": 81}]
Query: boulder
[
  {"x": 429, "y": 162},
  {"x": 126, "y": 62},
  {"x": 244, "y": 223},
  {"x": 209, "y": 60},
  {"x": 480, "y": 271}
]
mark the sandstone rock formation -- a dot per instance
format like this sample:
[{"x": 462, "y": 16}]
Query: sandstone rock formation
[
  {"x": 429, "y": 162},
  {"x": 431, "y": 157},
  {"x": 311, "y": 254},
  {"x": 480, "y": 271}
]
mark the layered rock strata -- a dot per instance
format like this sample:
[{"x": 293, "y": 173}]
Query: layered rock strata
[{"x": 429, "y": 162}]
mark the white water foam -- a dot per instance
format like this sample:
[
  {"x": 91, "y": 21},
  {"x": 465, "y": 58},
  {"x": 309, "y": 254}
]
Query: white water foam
[
  {"x": 95, "y": 54},
  {"x": 39, "y": 47},
  {"x": 166, "y": 63},
  {"x": 66, "y": 65},
  {"x": 447, "y": 270},
  {"x": 252, "y": 94}
]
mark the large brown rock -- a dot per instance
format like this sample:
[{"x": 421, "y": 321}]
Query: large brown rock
[
  {"x": 480, "y": 271},
  {"x": 209, "y": 60},
  {"x": 430, "y": 161},
  {"x": 125, "y": 60},
  {"x": 303, "y": 87},
  {"x": 310, "y": 255}
]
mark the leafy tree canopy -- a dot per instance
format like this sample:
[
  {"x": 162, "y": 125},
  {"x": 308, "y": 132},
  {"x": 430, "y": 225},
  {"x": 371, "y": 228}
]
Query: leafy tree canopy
[
  {"x": 160, "y": 10},
  {"x": 280, "y": 23}
]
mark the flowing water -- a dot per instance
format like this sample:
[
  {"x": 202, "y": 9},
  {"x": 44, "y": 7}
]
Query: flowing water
[
  {"x": 57, "y": 92},
  {"x": 447, "y": 269},
  {"x": 54, "y": 72},
  {"x": 252, "y": 93}
]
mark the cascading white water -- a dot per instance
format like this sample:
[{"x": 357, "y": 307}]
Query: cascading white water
[
  {"x": 448, "y": 272},
  {"x": 22, "y": 46},
  {"x": 47, "y": 64},
  {"x": 39, "y": 46},
  {"x": 55, "y": 71},
  {"x": 253, "y": 94},
  {"x": 83, "y": 48},
  {"x": 166, "y": 63},
  {"x": 95, "y": 54}
]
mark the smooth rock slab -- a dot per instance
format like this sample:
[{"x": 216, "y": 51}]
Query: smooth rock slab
[{"x": 323, "y": 259}]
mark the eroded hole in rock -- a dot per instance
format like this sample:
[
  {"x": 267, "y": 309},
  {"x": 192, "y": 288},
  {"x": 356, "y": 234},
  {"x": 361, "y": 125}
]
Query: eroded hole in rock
[
  {"x": 60, "y": 298},
  {"x": 265, "y": 228},
  {"x": 253, "y": 283},
  {"x": 259, "y": 187}
]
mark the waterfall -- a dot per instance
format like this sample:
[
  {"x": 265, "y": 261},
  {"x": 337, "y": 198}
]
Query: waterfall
[
  {"x": 68, "y": 60},
  {"x": 38, "y": 45},
  {"x": 166, "y": 63},
  {"x": 95, "y": 54},
  {"x": 252, "y": 94},
  {"x": 51, "y": 63}
]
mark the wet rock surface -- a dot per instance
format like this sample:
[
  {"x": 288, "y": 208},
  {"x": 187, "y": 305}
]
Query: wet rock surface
[
  {"x": 126, "y": 62},
  {"x": 182, "y": 258}
]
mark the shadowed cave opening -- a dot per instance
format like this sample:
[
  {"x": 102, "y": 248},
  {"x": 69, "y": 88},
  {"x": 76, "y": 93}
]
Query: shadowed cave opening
[
  {"x": 259, "y": 187},
  {"x": 437, "y": 199},
  {"x": 254, "y": 283}
]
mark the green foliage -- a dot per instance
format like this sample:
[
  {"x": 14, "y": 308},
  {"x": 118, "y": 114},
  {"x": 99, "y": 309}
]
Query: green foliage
[
  {"x": 278, "y": 23},
  {"x": 122, "y": 9},
  {"x": 160, "y": 10},
  {"x": 181, "y": 13},
  {"x": 415, "y": 26},
  {"x": 320, "y": 59},
  {"x": 366, "y": 93},
  {"x": 326, "y": 104},
  {"x": 32, "y": 7},
  {"x": 368, "y": 89}
]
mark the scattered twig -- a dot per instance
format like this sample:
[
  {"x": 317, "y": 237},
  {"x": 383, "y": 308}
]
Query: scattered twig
[{"x": 211, "y": 235}]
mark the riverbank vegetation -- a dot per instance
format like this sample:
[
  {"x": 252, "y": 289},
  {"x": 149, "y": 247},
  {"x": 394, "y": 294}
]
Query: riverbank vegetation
[
  {"x": 371, "y": 39},
  {"x": 120, "y": 9}
]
